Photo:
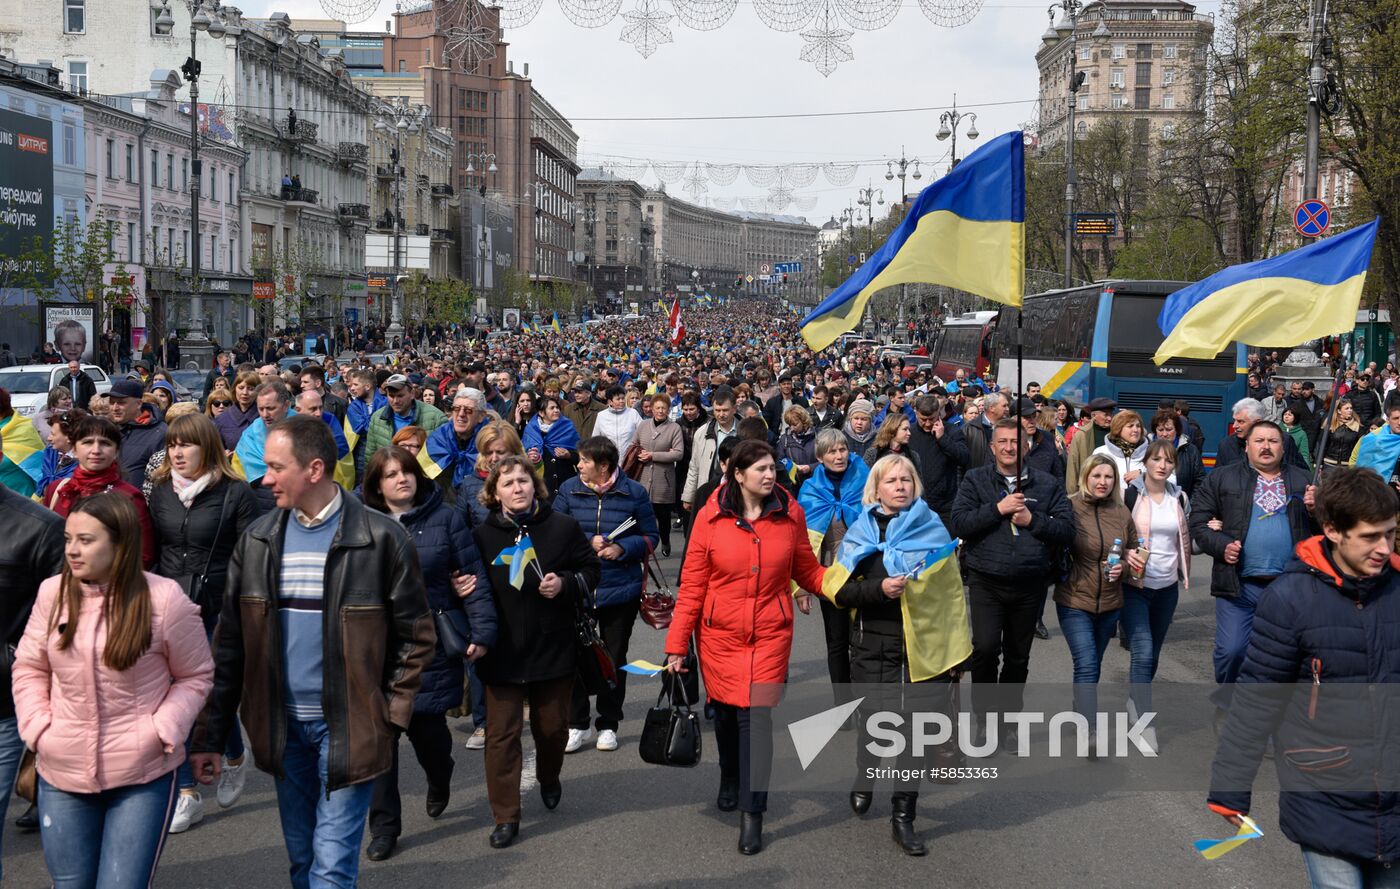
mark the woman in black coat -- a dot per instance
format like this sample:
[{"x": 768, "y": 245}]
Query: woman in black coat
[
  {"x": 456, "y": 581},
  {"x": 199, "y": 509},
  {"x": 534, "y": 658}
]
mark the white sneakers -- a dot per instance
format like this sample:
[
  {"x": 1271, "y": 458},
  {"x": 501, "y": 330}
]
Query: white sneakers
[
  {"x": 231, "y": 781},
  {"x": 478, "y": 740},
  {"x": 577, "y": 738},
  {"x": 607, "y": 740},
  {"x": 189, "y": 811}
]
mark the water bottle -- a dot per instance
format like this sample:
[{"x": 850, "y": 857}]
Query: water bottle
[{"x": 1115, "y": 556}]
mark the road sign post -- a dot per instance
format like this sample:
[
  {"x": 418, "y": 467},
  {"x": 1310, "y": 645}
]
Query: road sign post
[{"x": 1312, "y": 218}]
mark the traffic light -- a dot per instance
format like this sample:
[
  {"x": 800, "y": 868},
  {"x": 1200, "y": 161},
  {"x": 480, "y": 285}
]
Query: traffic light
[{"x": 784, "y": 277}]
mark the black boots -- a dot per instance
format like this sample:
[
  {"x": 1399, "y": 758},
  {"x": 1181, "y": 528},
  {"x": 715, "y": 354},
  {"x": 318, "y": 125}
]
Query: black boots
[
  {"x": 504, "y": 834},
  {"x": 728, "y": 799},
  {"x": 750, "y": 832},
  {"x": 860, "y": 801},
  {"x": 902, "y": 826}
]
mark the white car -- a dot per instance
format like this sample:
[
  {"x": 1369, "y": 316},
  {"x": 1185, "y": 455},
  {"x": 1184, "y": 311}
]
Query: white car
[{"x": 29, "y": 384}]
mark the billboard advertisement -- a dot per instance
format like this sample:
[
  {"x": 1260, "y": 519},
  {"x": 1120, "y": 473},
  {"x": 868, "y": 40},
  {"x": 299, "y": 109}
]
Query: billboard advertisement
[
  {"x": 26, "y": 181},
  {"x": 70, "y": 328}
]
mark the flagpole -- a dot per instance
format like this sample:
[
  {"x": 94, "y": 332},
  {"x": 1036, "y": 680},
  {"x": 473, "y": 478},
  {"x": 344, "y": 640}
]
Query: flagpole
[{"x": 1020, "y": 387}]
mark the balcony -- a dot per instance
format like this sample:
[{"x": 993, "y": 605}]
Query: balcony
[
  {"x": 297, "y": 131},
  {"x": 353, "y": 211},
  {"x": 422, "y": 181},
  {"x": 386, "y": 171},
  {"x": 292, "y": 194},
  {"x": 351, "y": 153},
  {"x": 421, "y": 229},
  {"x": 443, "y": 234},
  {"x": 442, "y": 189}
]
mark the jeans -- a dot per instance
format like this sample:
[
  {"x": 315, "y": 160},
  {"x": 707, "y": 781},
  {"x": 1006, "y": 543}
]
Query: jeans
[
  {"x": 432, "y": 745},
  {"x": 11, "y": 751},
  {"x": 1088, "y": 635},
  {"x": 615, "y": 624},
  {"x": 233, "y": 748},
  {"x": 744, "y": 740},
  {"x": 476, "y": 697},
  {"x": 1003, "y": 612},
  {"x": 1147, "y": 614},
  {"x": 321, "y": 829},
  {"x": 1234, "y": 620},
  {"x": 1334, "y": 872},
  {"x": 107, "y": 840}
]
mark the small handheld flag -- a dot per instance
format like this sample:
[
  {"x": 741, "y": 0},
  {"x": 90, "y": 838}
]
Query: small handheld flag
[
  {"x": 518, "y": 557},
  {"x": 555, "y": 324},
  {"x": 1213, "y": 849}
]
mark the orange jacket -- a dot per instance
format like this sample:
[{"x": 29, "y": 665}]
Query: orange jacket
[{"x": 735, "y": 595}]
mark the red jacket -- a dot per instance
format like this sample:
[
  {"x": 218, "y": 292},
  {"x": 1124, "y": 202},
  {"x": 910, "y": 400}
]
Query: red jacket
[{"x": 735, "y": 595}]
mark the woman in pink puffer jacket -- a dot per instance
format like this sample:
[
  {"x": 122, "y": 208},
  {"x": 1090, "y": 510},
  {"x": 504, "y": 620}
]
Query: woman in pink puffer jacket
[{"x": 111, "y": 673}]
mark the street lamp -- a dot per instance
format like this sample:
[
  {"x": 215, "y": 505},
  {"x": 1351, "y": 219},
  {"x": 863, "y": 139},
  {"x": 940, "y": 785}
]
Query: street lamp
[
  {"x": 869, "y": 196},
  {"x": 1067, "y": 29},
  {"x": 399, "y": 119},
  {"x": 204, "y": 16},
  {"x": 948, "y": 123},
  {"x": 903, "y": 164}
]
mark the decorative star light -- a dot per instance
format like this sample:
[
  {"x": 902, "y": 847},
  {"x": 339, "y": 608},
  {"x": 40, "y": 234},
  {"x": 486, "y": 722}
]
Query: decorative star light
[
  {"x": 469, "y": 40},
  {"x": 826, "y": 46},
  {"x": 646, "y": 27}
]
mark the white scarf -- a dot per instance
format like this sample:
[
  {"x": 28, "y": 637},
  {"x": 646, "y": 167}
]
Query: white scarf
[{"x": 187, "y": 490}]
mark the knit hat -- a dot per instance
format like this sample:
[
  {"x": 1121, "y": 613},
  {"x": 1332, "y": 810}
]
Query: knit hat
[{"x": 861, "y": 406}]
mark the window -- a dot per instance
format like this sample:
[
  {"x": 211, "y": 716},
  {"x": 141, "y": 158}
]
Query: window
[
  {"x": 70, "y": 144},
  {"x": 1168, "y": 131},
  {"x": 1120, "y": 51},
  {"x": 1168, "y": 101},
  {"x": 170, "y": 171},
  {"x": 1142, "y": 97},
  {"x": 403, "y": 66},
  {"x": 1169, "y": 51},
  {"x": 1144, "y": 51},
  {"x": 70, "y": 211},
  {"x": 1144, "y": 73},
  {"x": 111, "y": 157},
  {"x": 1082, "y": 102},
  {"x": 1115, "y": 78},
  {"x": 1168, "y": 76},
  {"x": 74, "y": 18},
  {"x": 232, "y": 194},
  {"x": 184, "y": 174},
  {"x": 1118, "y": 101},
  {"x": 1081, "y": 128},
  {"x": 213, "y": 184},
  {"x": 131, "y": 163},
  {"x": 78, "y": 76},
  {"x": 1084, "y": 52},
  {"x": 131, "y": 242}
]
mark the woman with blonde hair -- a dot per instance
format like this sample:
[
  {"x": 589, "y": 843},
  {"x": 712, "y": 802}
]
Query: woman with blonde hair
[
  {"x": 108, "y": 679},
  {"x": 1125, "y": 445},
  {"x": 200, "y": 508},
  {"x": 495, "y": 441},
  {"x": 244, "y": 410}
]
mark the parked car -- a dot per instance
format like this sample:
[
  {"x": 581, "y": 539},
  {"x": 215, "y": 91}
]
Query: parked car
[
  {"x": 29, "y": 384},
  {"x": 189, "y": 384},
  {"x": 912, "y": 364},
  {"x": 298, "y": 361}
]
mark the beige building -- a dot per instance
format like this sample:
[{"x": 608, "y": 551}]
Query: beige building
[
  {"x": 613, "y": 237},
  {"x": 1143, "y": 59},
  {"x": 417, "y": 181}
]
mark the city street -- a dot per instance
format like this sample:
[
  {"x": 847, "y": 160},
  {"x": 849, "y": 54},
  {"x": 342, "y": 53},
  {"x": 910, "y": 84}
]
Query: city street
[{"x": 623, "y": 823}]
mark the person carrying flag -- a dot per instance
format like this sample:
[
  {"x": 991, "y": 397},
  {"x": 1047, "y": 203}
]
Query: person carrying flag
[
  {"x": 897, "y": 571},
  {"x": 535, "y": 588},
  {"x": 450, "y": 453}
]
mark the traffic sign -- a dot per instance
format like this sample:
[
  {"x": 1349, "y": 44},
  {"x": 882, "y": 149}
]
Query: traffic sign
[
  {"x": 765, "y": 269},
  {"x": 749, "y": 279},
  {"x": 1095, "y": 224},
  {"x": 786, "y": 268},
  {"x": 851, "y": 260},
  {"x": 1312, "y": 218}
]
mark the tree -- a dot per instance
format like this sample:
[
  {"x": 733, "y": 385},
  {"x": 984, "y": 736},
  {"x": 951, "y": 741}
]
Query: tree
[{"x": 1366, "y": 131}]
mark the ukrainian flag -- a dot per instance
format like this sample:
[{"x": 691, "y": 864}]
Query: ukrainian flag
[
  {"x": 936, "y": 634},
  {"x": 23, "y": 463},
  {"x": 1281, "y": 301},
  {"x": 518, "y": 557},
  {"x": 967, "y": 230},
  {"x": 555, "y": 324},
  {"x": 1378, "y": 451}
]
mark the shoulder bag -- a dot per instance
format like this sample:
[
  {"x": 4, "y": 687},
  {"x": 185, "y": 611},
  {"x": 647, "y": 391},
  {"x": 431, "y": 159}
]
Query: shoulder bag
[
  {"x": 200, "y": 580},
  {"x": 596, "y": 670},
  {"x": 658, "y": 602},
  {"x": 670, "y": 733}
]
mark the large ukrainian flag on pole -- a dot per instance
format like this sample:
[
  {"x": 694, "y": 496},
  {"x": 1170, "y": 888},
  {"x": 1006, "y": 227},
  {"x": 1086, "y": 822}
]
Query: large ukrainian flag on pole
[
  {"x": 1281, "y": 301},
  {"x": 967, "y": 230},
  {"x": 936, "y": 634}
]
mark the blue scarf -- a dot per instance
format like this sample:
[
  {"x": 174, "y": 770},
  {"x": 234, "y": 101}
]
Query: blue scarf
[
  {"x": 914, "y": 540},
  {"x": 821, "y": 503},
  {"x": 561, "y": 434},
  {"x": 357, "y": 414},
  {"x": 443, "y": 450}
]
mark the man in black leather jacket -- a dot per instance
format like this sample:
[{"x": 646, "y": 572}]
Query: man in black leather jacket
[
  {"x": 340, "y": 591},
  {"x": 31, "y": 550}
]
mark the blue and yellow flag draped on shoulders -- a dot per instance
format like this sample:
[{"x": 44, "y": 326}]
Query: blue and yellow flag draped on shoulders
[
  {"x": 936, "y": 634},
  {"x": 967, "y": 230},
  {"x": 822, "y": 501},
  {"x": 1284, "y": 300},
  {"x": 23, "y": 463},
  {"x": 1378, "y": 451}
]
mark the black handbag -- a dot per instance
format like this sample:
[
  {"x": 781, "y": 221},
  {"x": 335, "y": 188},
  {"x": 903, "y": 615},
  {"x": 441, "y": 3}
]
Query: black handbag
[
  {"x": 596, "y": 670},
  {"x": 199, "y": 581},
  {"x": 453, "y": 630},
  {"x": 670, "y": 734}
]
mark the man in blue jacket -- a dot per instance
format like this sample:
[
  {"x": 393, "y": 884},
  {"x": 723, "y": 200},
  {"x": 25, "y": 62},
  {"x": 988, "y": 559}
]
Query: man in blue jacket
[
  {"x": 1317, "y": 678},
  {"x": 602, "y": 499}
]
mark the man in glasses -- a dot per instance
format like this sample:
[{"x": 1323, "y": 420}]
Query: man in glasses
[{"x": 452, "y": 446}]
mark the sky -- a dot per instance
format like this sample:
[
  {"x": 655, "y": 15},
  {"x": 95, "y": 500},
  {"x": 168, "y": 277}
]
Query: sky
[{"x": 746, "y": 69}]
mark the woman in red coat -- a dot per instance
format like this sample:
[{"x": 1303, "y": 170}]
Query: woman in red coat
[{"x": 747, "y": 546}]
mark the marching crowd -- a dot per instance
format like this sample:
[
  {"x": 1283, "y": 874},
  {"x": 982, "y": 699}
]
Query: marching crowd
[{"x": 303, "y": 566}]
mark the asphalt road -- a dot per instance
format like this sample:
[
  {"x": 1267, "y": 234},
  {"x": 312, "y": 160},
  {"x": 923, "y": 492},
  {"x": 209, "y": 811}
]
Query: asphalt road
[{"x": 623, "y": 823}]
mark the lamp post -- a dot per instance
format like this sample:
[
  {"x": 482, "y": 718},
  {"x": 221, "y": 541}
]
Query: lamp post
[
  {"x": 398, "y": 118},
  {"x": 903, "y": 164},
  {"x": 204, "y": 16},
  {"x": 1067, "y": 30},
  {"x": 870, "y": 196},
  {"x": 948, "y": 123}
]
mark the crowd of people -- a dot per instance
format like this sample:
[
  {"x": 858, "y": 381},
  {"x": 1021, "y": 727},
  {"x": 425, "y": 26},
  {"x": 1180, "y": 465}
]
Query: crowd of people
[{"x": 454, "y": 511}]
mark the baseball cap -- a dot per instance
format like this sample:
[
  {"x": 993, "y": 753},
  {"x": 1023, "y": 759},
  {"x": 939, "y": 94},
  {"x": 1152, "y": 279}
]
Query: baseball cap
[
  {"x": 397, "y": 381},
  {"x": 126, "y": 389}
]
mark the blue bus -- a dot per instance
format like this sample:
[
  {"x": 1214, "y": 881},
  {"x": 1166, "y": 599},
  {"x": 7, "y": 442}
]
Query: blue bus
[{"x": 1098, "y": 340}]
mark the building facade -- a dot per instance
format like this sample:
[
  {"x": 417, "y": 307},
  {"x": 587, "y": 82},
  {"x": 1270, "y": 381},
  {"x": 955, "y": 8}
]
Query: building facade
[
  {"x": 554, "y": 154},
  {"x": 614, "y": 238},
  {"x": 1148, "y": 67}
]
